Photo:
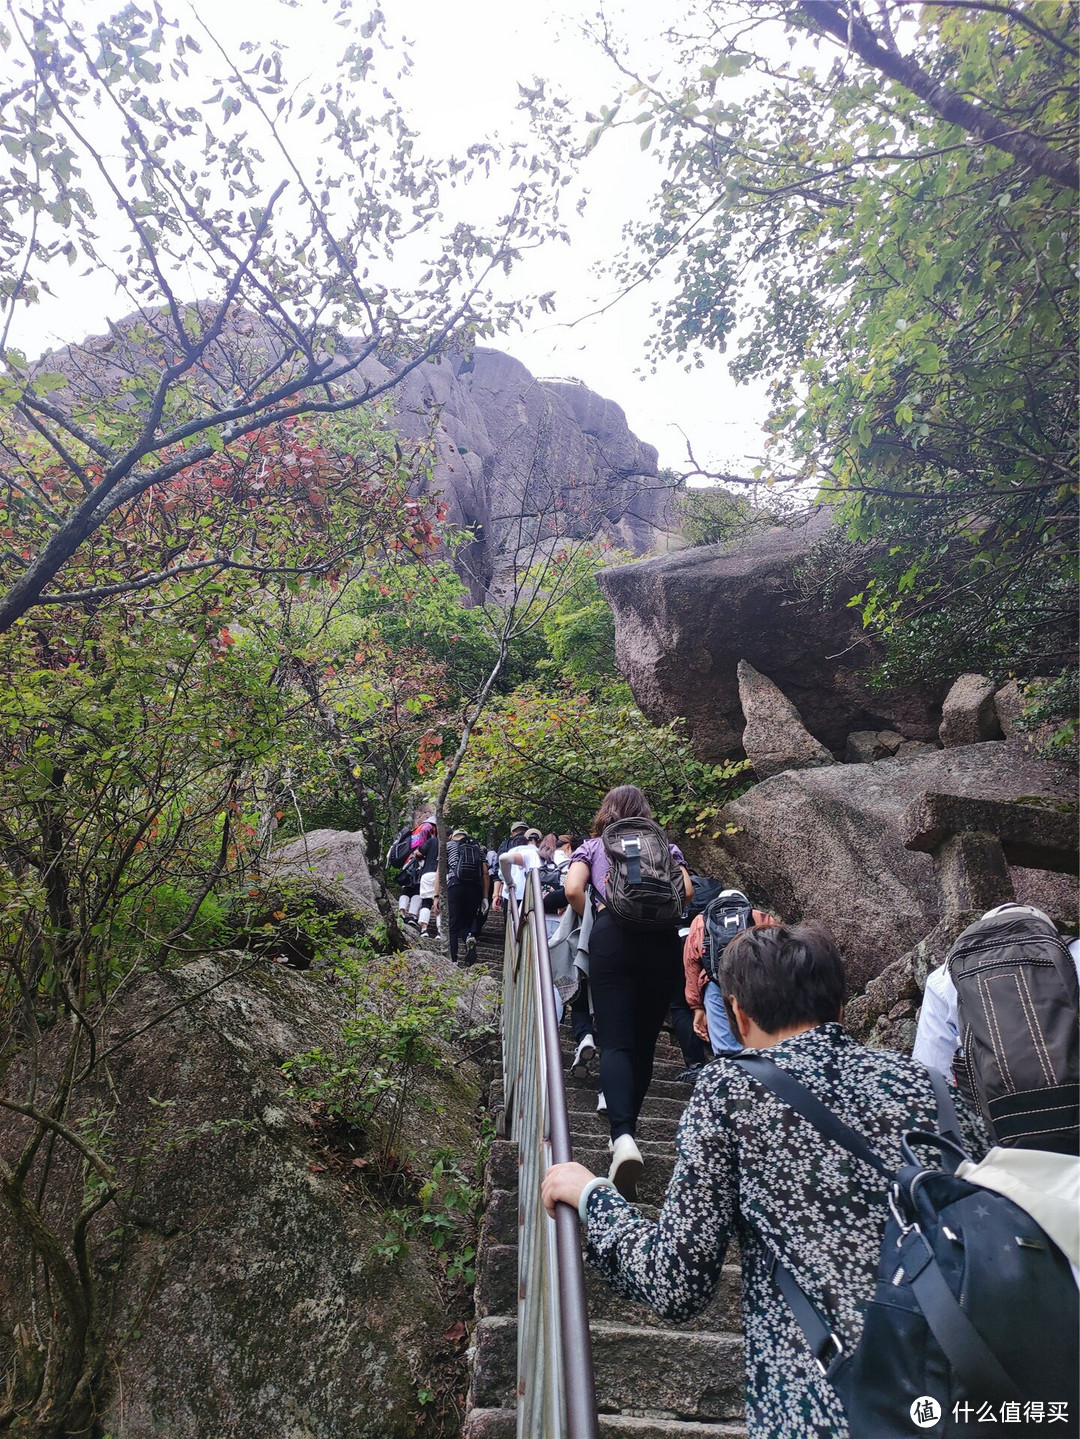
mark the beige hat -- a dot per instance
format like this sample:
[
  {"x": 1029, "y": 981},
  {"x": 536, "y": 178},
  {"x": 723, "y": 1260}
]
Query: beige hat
[
  {"x": 518, "y": 824},
  {"x": 458, "y": 834},
  {"x": 533, "y": 834}
]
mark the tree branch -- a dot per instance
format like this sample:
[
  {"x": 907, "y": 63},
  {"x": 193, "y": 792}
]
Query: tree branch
[{"x": 852, "y": 32}]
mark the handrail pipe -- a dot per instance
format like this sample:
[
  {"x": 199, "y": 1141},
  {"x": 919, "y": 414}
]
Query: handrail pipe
[{"x": 556, "y": 1394}]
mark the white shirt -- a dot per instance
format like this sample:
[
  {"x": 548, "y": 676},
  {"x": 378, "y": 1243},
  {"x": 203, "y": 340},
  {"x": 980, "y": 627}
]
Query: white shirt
[
  {"x": 523, "y": 858},
  {"x": 561, "y": 855},
  {"x": 937, "y": 1037}
]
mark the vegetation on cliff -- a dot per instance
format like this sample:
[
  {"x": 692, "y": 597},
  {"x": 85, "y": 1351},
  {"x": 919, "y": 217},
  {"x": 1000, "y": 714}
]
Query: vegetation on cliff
[{"x": 886, "y": 230}]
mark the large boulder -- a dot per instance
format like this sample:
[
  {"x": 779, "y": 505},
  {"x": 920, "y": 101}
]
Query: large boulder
[
  {"x": 332, "y": 861},
  {"x": 775, "y": 738},
  {"x": 826, "y": 844},
  {"x": 684, "y": 621},
  {"x": 968, "y": 715},
  {"x": 247, "y": 1296}
]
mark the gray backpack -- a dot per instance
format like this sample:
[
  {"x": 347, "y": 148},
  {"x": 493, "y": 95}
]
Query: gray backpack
[
  {"x": 1018, "y": 1005},
  {"x": 644, "y": 884}
]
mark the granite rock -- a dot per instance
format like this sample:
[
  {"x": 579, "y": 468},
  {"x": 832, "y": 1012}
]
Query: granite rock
[
  {"x": 826, "y": 844},
  {"x": 968, "y": 715},
  {"x": 775, "y": 738},
  {"x": 684, "y": 621}
]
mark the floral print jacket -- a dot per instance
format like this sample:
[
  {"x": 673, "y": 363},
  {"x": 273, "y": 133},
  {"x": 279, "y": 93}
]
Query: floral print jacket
[{"x": 748, "y": 1166}]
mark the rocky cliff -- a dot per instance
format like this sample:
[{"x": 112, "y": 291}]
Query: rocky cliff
[{"x": 520, "y": 462}]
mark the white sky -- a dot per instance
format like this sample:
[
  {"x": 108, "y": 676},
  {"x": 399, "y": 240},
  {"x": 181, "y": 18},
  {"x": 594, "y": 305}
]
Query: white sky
[{"x": 468, "y": 61}]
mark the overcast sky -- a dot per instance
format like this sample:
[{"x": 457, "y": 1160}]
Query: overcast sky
[{"x": 468, "y": 61}]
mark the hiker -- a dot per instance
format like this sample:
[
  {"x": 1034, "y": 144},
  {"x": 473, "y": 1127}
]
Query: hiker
[
  {"x": 633, "y": 971},
  {"x": 728, "y": 912},
  {"x": 515, "y": 837},
  {"x": 524, "y": 857},
  {"x": 406, "y": 854},
  {"x": 1000, "y": 1018},
  {"x": 466, "y": 890},
  {"x": 564, "y": 848},
  {"x": 749, "y": 1167},
  {"x": 429, "y": 867}
]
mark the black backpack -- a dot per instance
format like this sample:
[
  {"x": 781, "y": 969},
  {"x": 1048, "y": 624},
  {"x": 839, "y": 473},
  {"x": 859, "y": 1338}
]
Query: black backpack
[
  {"x": 1018, "y": 1010},
  {"x": 974, "y": 1304},
  {"x": 464, "y": 862},
  {"x": 705, "y": 891},
  {"x": 412, "y": 869},
  {"x": 400, "y": 849},
  {"x": 725, "y": 916},
  {"x": 644, "y": 883}
]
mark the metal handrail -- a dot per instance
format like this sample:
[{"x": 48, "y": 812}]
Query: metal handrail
[{"x": 556, "y": 1396}]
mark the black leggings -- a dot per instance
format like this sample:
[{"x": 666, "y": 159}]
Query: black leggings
[{"x": 632, "y": 976}]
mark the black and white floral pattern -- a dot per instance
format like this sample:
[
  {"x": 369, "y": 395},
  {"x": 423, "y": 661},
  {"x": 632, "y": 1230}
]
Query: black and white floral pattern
[{"x": 746, "y": 1164}]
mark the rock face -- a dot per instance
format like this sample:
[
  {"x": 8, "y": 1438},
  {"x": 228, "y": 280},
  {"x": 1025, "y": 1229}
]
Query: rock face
[
  {"x": 683, "y": 622},
  {"x": 507, "y": 444},
  {"x": 503, "y": 444},
  {"x": 826, "y": 844},
  {"x": 968, "y": 715},
  {"x": 775, "y": 738},
  {"x": 335, "y": 859},
  {"x": 250, "y": 1292}
]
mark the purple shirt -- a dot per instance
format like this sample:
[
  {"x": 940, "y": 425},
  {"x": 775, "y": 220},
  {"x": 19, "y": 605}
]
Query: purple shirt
[{"x": 591, "y": 852}]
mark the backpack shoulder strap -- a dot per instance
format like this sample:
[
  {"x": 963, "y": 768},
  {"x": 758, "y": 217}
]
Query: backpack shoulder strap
[
  {"x": 966, "y": 1351},
  {"x": 798, "y": 1097},
  {"x": 948, "y": 1125}
]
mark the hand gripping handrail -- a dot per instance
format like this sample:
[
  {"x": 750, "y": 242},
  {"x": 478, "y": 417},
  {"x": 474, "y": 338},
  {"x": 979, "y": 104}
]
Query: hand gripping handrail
[{"x": 556, "y": 1396}]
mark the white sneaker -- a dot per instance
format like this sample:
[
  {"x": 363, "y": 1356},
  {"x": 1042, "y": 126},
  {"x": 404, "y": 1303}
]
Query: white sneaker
[
  {"x": 626, "y": 1166},
  {"x": 601, "y": 1103},
  {"x": 583, "y": 1057}
]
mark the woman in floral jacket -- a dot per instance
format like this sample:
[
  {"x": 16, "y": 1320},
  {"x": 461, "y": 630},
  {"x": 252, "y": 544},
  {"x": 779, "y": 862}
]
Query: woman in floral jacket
[{"x": 752, "y": 1169}]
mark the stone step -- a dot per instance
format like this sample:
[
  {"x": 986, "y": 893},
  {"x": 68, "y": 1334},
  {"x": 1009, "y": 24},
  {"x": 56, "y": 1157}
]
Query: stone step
[
  {"x": 497, "y": 1281},
  {"x": 665, "y": 1066},
  {"x": 678, "y": 1373},
  {"x": 655, "y": 1177},
  {"x": 650, "y": 1130},
  {"x": 581, "y": 1099},
  {"x": 722, "y": 1316},
  {"x": 502, "y": 1424},
  {"x": 658, "y": 1089}
]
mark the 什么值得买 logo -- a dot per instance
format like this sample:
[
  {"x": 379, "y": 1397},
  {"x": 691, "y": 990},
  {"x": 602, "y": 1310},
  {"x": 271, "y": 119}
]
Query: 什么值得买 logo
[{"x": 925, "y": 1412}]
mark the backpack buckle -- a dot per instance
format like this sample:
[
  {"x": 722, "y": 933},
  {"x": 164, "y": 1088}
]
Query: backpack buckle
[
  {"x": 631, "y": 848},
  {"x": 828, "y": 1366}
]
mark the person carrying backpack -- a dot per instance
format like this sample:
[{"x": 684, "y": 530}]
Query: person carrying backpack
[
  {"x": 466, "y": 890},
  {"x": 725, "y": 915},
  {"x": 640, "y": 885},
  {"x": 1002, "y": 1017},
  {"x": 405, "y": 855},
  {"x": 803, "y": 1149},
  {"x": 515, "y": 838}
]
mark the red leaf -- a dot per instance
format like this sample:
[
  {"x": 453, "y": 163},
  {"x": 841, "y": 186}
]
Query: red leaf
[{"x": 456, "y": 1332}]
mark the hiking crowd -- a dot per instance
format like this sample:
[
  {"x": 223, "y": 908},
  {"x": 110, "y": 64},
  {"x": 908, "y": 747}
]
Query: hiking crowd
[{"x": 909, "y": 1228}]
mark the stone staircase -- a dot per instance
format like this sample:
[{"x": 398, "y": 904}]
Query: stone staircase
[{"x": 653, "y": 1381}]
